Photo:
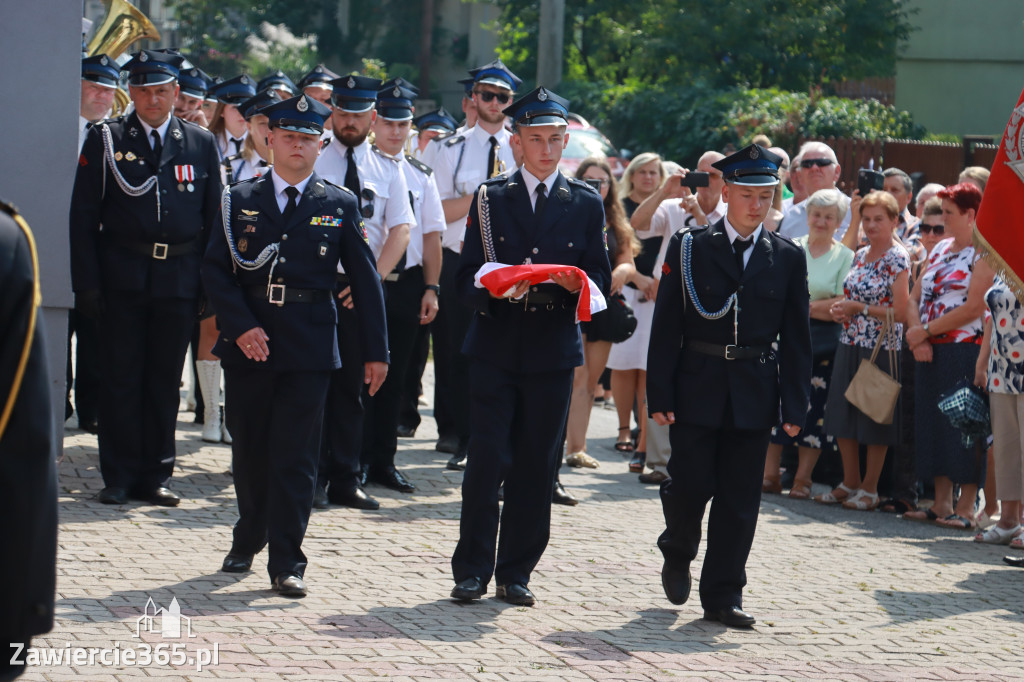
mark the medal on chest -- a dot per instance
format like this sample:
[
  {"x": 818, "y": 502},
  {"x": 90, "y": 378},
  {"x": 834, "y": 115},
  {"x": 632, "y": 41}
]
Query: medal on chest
[{"x": 185, "y": 175}]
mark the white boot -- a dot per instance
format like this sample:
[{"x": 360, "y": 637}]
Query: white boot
[
  {"x": 224, "y": 435},
  {"x": 209, "y": 384}
]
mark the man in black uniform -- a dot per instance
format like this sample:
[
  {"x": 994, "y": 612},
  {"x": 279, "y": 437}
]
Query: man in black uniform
[
  {"x": 713, "y": 376},
  {"x": 522, "y": 350},
  {"x": 151, "y": 181},
  {"x": 270, "y": 273},
  {"x": 28, "y": 472}
]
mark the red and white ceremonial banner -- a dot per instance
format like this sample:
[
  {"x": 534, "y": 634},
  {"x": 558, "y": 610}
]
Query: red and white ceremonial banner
[
  {"x": 501, "y": 280},
  {"x": 1000, "y": 233}
]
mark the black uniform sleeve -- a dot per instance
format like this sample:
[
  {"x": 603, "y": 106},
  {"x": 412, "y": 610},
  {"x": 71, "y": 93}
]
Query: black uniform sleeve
[
  {"x": 367, "y": 291},
  {"x": 211, "y": 200},
  {"x": 795, "y": 362},
  {"x": 666, "y": 333},
  {"x": 470, "y": 260},
  {"x": 234, "y": 317},
  {"x": 86, "y": 204}
]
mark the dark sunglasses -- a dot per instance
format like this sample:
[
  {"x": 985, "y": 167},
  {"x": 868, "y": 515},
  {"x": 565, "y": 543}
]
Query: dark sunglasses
[
  {"x": 811, "y": 163},
  {"x": 487, "y": 96},
  {"x": 937, "y": 229},
  {"x": 367, "y": 209}
]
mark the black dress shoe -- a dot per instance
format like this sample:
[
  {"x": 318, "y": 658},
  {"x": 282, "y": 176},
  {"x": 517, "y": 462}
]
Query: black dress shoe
[
  {"x": 390, "y": 477},
  {"x": 449, "y": 444},
  {"x": 731, "y": 616},
  {"x": 560, "y": 496},
  {"x": 1017, "y": 561},
  {"x": 320, "y": 500},
  {"x": 236, "y": 563},
  {"x": 676, "y": 581},
  {"x": 456, "y": 463},
  {"x": 113, "y": 495},
  {"x": 515, "y": 593},
  {"x": 405, "y": 431},
  {"x": 469, "y": 589},
  {"x": 355, "y": 498},
  {"x": 163, "y": 497},
  {"x": 289, "y": 585}
]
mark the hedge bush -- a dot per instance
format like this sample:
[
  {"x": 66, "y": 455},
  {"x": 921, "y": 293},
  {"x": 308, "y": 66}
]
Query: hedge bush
[{"x": 683, "y": 122}]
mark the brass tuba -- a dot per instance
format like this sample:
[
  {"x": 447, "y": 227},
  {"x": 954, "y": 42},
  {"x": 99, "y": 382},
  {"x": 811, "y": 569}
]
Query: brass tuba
[{"x": 122, "y": 26}]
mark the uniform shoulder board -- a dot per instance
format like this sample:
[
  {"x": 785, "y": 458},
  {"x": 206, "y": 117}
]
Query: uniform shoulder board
[
  {"x": 418, "y": 165},
  {"x": 337, "y": 186},
  {"x": 497, "y": 179},
  {"x": 454, "y": 139},
  {"x": 382, "y": 153},
  {"x": 326, "y": 143},
  {"x": 184, "y": 123},
  {"x": 581, "y": 183}
]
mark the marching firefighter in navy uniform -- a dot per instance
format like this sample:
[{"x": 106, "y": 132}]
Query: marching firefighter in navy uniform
[
  {"x": 270, "y": 272},
  {"x": 28, "y": 450},
  {"x": 151, "y": 181},
  {"x": 713, "y": 376},
  {"x": 522, "y": 350}
]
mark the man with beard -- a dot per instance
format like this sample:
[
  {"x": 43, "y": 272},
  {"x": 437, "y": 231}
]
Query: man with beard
[
  {"x": 461, "y": 163},
  {"x": 377, "y": 181}
]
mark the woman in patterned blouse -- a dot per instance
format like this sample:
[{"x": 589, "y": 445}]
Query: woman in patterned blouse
[{"x": 945, "y": 333}]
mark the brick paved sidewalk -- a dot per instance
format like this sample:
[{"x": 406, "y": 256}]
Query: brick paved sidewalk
[{"x": 837, "y": 594}]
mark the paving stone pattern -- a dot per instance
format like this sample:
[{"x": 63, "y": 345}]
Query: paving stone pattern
[{"x": 838, "y": 595}]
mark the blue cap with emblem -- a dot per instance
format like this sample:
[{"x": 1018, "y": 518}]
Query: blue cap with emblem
[
  {"x": 439, "y": 120},
  {"x": 254, "y": 105},
  {"x": 149, "y": 67},
  {"x": 236, "y": 90},
  {"x": 101, "y": 70},
  {"x": 319, "y": 77},
  {"x": 277, "y": 81},
  {"x": 355, "y": 94},
  {"x": 193, "y": 82},
  {"x": 753, "y": 166},
  {"x": 394, "y": 100},
  {"x": 467, "y": 84},
  {"x": 212, "y": 82},
  {"x": 497, "y": 74},
  {"x": 301, "y": 114},
  {"x": 541, "y": 107}
]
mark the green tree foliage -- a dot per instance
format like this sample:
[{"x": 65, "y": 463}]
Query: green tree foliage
[{"x": 788, "y": 44}]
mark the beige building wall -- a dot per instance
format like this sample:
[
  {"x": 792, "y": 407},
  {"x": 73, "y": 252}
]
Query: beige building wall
[{"x": 963, "y": 69}]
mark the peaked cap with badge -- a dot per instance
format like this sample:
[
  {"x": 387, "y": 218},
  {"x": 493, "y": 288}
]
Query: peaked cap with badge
[
  {"x": 319, "y": 77},
  {"x": 395, "y": 100},
  {"x": 301, "y": 114},
  {"x": 355, "y": 94},
  {"x": 277, "y": 81},
  {"x": 151, "y": 67},
  {"x": 496, "y": 74},
  {"x": 753, "y": 166},
  {"x": 439, "y": 119},
  {"x": 101, "y": 70},
  {"x": 540, "y": 107},
  {"x": 235, "y": 91}
]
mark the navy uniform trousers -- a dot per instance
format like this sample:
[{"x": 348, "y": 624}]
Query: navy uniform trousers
[
  {"x": 451, "y": 367},
  {"x": 343, "y": 426}
]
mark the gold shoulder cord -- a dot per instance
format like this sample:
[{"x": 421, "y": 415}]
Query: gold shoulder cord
[{"x": 37, "y": 299}]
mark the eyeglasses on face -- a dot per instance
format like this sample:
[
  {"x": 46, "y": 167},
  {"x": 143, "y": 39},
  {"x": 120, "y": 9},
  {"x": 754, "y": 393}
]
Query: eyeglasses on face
[
  {"x": 937, "y": 229},
  {"x": 811, "y": 163},
  {"x": 487, "y": 96}
]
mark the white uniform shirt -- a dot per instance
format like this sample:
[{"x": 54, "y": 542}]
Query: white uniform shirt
[
  {"x": 251, "y": 167},
  {"x": 225, "y": 147},
  {"x": 379, "y": 174},
  {"x": 426, "y": 204},
  {"x": 457, "y": 179}
]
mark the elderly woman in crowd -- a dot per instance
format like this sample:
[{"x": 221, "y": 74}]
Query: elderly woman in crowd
[
  {"x": 628, "y": 360},
  {"x": 877, "y": 282},
  {"x": 828, "y": 263},
  {"x": 945, "y": 333},
  {"x": 622, "y": 246},
  {"x": 1000, "y": 371}
]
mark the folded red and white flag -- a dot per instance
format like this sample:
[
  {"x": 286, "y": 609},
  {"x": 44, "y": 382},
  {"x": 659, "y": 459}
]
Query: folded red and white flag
[{"x": 501, "y": 280}]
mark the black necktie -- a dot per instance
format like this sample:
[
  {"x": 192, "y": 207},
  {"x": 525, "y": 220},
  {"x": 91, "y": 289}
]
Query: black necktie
[
  {"x": 157, "y": 146},
  {"x": 491, "y": 155},
  {"x": 351, "y": 174},
  {"x": 542, "y": 199},
  {"x": 238, "y": 145},
  {"x": 738, "y": 247},
  {"x": 289, "y": 206}
]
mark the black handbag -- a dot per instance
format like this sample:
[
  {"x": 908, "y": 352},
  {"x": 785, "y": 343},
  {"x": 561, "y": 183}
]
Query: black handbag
[
  {"x": 824, "y": 338},
  {"x": 619, "y": 322}
]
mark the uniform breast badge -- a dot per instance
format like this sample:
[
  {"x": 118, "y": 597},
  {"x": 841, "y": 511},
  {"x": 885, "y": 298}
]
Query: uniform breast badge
[
  {"x": 243, "y": 245},
  {"x": 130, "y": 156}
]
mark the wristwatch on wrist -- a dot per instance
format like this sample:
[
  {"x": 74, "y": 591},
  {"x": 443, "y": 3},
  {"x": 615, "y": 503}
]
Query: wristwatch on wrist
[
  {"x": 436, "y": 288},
  {"x": 925, "y": 328},
  {"x": 865, "y": 313}
]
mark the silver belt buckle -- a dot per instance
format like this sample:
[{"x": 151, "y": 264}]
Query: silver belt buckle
[
  {"x": 160, "y": 251},
  {"x": 729, "y": 350},
  {"x": 275, "y": 294}
]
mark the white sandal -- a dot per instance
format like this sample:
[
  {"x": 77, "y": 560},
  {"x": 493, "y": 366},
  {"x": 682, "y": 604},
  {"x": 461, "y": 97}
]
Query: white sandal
[
  {"x": 829, "y": 498},
  {"x": 581, "y": 459},
  {"x": 861, "y": 501},
  {"x": 998, "y": 536}
]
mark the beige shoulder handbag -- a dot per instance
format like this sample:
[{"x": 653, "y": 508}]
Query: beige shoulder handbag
[{"x": 871, "y": 390}]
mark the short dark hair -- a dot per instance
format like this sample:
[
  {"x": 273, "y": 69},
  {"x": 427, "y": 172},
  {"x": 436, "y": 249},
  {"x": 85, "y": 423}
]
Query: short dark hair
[{"x": 908, "y": 184}]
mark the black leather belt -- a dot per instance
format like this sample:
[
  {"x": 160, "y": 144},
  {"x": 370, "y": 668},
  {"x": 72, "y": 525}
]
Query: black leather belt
[
  {"x": 158, "y": 250},
  {"x": 281, "y": 294},
  {"x": 550, "y": 297},
  {"x": 729, "y": 352}
]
